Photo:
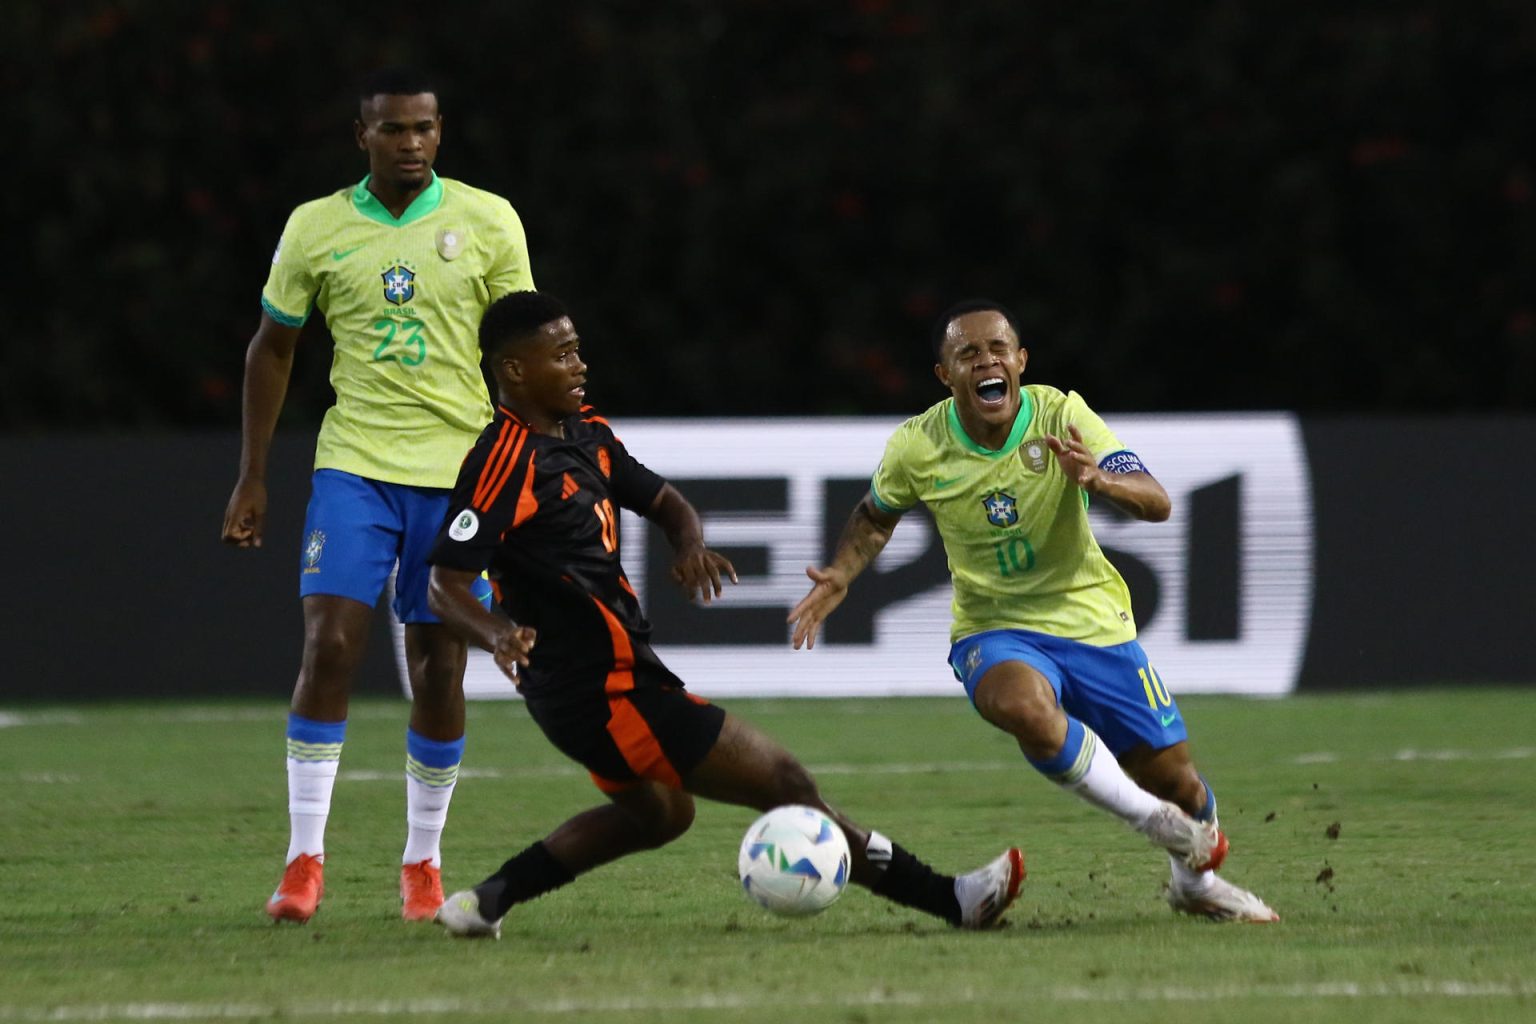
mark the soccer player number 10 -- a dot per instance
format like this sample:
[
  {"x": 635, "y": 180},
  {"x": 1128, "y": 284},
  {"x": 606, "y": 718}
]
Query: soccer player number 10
[{"x": 1007, "y": 552}]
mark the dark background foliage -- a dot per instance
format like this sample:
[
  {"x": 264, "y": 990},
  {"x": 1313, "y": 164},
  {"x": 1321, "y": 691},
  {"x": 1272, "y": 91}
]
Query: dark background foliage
[{"x": 757, "y": 207}]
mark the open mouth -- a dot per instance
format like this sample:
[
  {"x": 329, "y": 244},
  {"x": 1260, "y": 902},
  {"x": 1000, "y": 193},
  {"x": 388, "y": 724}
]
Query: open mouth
[{"x": 992, "y": 391}]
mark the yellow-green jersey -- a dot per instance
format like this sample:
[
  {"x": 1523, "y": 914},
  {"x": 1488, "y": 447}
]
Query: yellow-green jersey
[
  {"x": 403, "y": 300},
  {"x": 1015, "y": 530}
]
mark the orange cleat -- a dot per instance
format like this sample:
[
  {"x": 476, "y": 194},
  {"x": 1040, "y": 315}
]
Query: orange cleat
[
  {"x": 298, "y": 894},
  {"x": 421, "y": 891}
]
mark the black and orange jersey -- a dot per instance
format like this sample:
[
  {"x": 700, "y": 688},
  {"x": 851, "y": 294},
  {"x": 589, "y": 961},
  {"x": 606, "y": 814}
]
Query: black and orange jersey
[{"x": 540, "y": 512}]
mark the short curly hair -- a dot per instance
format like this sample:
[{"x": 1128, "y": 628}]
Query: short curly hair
[{"x": 516, "y": 317}]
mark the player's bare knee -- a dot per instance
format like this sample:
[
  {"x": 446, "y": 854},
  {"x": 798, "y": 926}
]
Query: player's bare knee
[
  {"x": 794, "y": 784},
  {"x": 1020, "y": 711},
  {"x": 328, "y": 664},
  {"x": 672, "y": 817}
]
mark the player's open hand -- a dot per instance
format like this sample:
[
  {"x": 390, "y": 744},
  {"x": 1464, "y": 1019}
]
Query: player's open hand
[
  {"x": 513, "y": 647},
  {"x": 1075, "y": 458},
  {"x": 700, "y": 571},
  {"x": 245, "y": 517},
  {"x": 828, "y": 592}
]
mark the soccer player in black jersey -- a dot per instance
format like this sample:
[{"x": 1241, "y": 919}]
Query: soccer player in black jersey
[{"x": 536, "y": 504}]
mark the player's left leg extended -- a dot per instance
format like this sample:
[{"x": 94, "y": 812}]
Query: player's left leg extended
[{"x": 747, "y": 768}]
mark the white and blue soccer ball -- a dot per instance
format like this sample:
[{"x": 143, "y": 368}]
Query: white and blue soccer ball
[{"x": 794, "y": 861}]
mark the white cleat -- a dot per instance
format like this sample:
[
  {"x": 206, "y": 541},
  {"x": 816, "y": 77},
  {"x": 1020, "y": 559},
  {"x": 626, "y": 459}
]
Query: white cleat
[
  {"x": 1222, "y": 901},
  {"x": 988, "y": 891},
  {"x": 460, "y": 914},
  {"x": 1201, "y": 845}
]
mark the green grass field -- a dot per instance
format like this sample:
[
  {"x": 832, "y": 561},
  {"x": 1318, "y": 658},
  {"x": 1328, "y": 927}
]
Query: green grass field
[{"x": 1393, "y": 833}]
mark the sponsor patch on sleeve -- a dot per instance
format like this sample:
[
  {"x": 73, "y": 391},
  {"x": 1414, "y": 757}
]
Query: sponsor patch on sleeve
[
  {"x": 1122, "y": 462},
  {"x": 465, "y": 525}
]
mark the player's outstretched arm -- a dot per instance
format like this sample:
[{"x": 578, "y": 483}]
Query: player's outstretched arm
[
  {"x": 451, "y": 599},
  {"x": 695, "y": 568},
  {"x": 268, "y": 364},
  {"x": 864, "y": 537},
  {"x": 1138, "y": 494}
]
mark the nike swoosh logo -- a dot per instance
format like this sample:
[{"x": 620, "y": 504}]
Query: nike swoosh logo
[
  {"x": 340, "y": 254},
  {"x": 942, "y": 483},
  {"x": 1167, "y": 720}
]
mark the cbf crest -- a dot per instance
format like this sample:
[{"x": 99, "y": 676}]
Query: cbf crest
[
  {"x": 972, "y": 660},
  {"x": 1002, "y": 510},
  {"x": 399, "y": 284},
  {"x": 314, "y": 544}
]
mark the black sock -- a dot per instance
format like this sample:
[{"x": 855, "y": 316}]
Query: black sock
[
  {"x": 912, "y": 883},
  {"x": 531, "y": 873}
]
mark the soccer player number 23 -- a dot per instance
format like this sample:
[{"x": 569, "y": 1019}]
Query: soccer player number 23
[{"x": 409, "y": 349}]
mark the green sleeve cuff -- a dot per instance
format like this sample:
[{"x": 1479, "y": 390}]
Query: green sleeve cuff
[
  {"x": 882, "y": 504},
  {"x": 283, "y": 318}
]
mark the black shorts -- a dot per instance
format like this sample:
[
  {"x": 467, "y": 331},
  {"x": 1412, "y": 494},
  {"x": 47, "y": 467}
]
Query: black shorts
[{"x": 655, "y": 733}]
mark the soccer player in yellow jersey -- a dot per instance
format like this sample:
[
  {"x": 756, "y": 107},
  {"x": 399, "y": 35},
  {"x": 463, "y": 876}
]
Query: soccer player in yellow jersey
[
  {"x": 402, "y": 265},
  {"x": 1043, "y": 639}
]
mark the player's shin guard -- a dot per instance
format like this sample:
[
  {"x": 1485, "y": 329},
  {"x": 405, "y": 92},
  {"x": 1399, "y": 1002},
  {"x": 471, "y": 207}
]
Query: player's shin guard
[
  {"x": 906, "y": 880},
  {"x": 314, "y": 754},
  {"x": 1086, "y": 767},
  {"x": 431, "y": 772},
  {"x": 530, "y": 874}
]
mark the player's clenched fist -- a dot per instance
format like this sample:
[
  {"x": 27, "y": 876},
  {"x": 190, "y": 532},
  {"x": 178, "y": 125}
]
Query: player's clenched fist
[{"x": 513, "y": 647}]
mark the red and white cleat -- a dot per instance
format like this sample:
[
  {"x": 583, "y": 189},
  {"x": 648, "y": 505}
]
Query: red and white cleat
[
  {"x": 1201, "y": 845},
  {"x": 1222, "y": 901},
  {"x": 985, "y": 893}
]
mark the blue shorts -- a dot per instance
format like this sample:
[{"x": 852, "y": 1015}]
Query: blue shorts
[
  {"x": 1112, "y": 690},
  {"x": 357, "y": 530}
]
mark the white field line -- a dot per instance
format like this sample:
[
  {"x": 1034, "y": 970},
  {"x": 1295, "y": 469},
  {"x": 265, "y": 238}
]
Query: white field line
[
  {"x": 559, "y": 771},
  {"x": 10, "y": 719},
  {"x": 207, "y": 716},
  {"x": 501, "y": 1008},
  {"x": 572, "y": 770}
]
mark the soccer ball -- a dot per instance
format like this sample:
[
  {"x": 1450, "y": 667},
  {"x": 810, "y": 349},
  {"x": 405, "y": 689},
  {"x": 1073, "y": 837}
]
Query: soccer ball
[{"x": 794, "y": 861}]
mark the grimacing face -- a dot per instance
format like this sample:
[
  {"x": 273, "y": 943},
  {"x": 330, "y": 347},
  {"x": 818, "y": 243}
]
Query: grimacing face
[
  {"x": 400, "y": 135},
  {"x": 981, "y": 364}
]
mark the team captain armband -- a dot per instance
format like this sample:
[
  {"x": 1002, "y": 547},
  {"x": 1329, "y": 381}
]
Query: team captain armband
[{"x": 1122, "y": 462}]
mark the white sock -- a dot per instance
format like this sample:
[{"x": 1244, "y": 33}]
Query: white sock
[
  {"x": 1092, "y": 772},
  {"x": 426, "y": 812},
  {"x": 1193, "y": 882},
  {"x": 309, "y": 805}
]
